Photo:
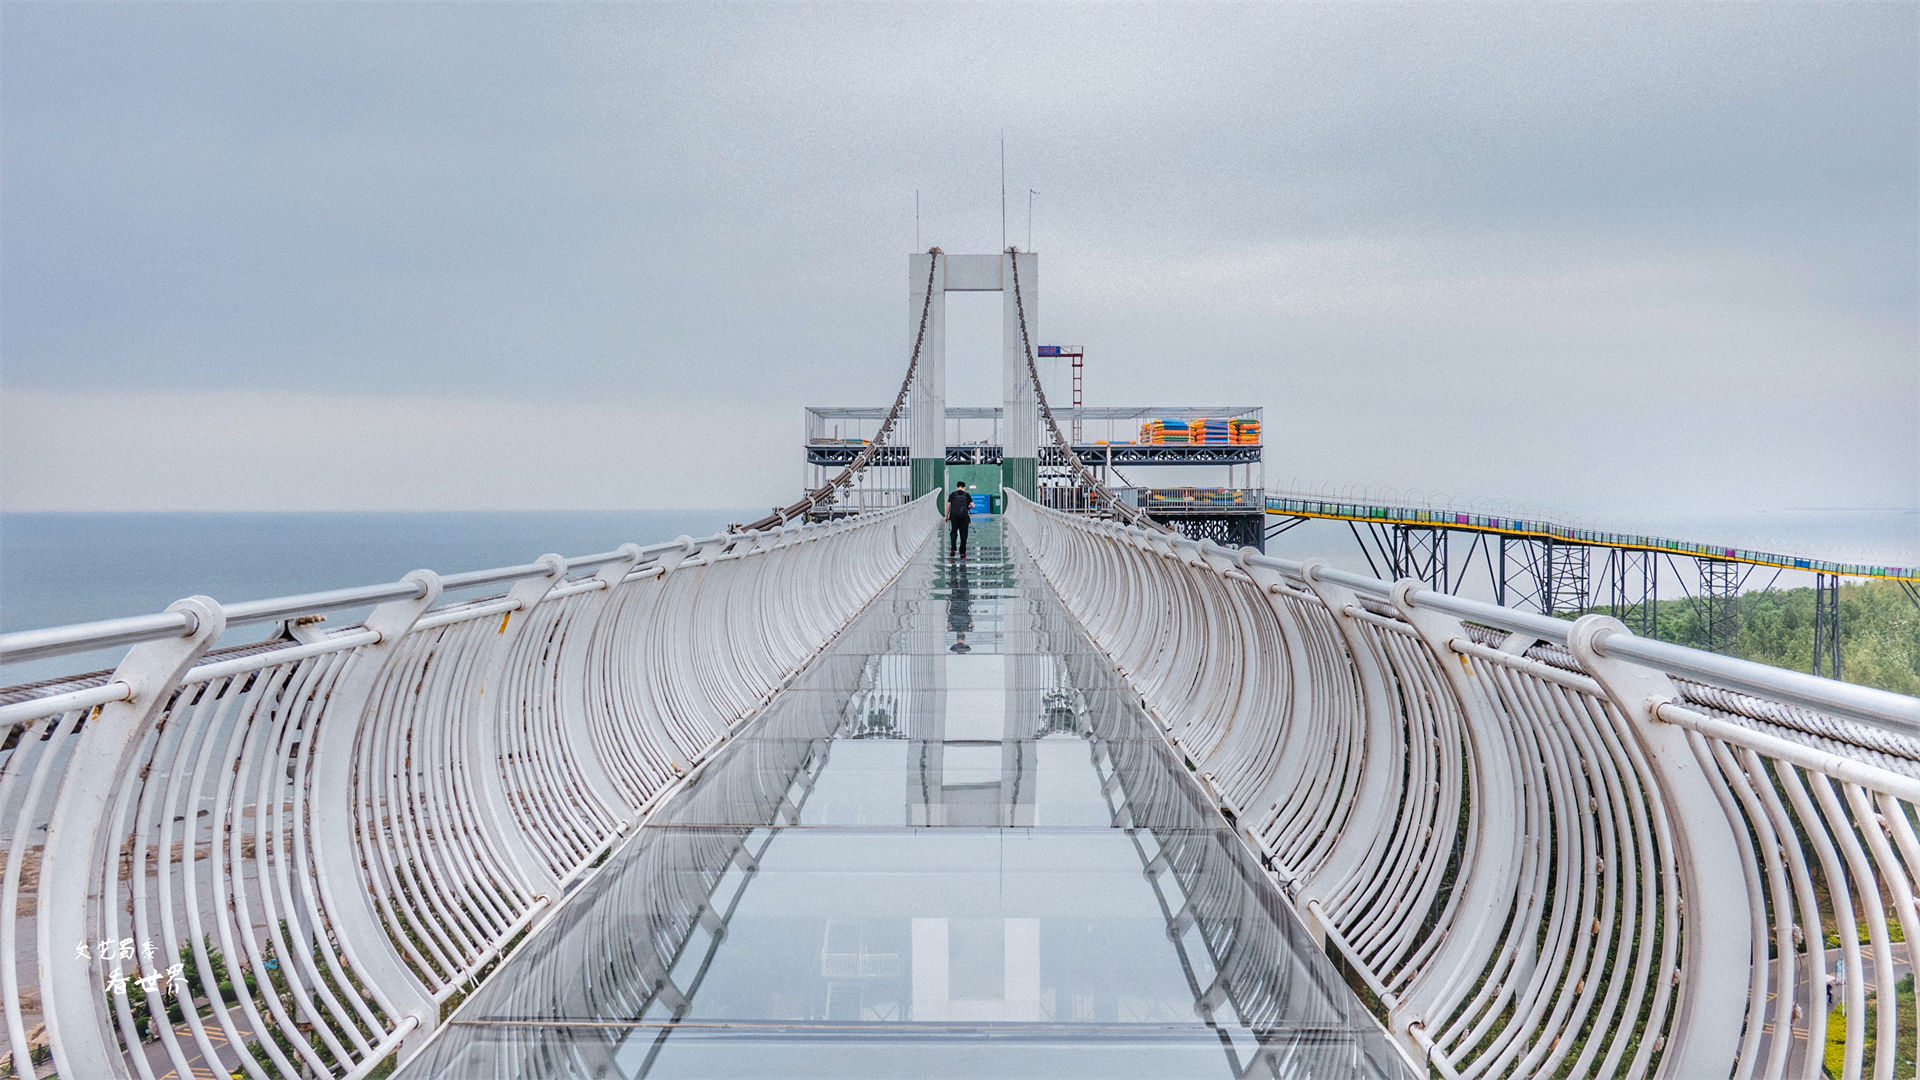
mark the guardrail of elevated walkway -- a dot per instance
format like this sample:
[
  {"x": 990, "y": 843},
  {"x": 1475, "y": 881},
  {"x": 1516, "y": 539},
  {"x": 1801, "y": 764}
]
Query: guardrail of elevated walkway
[
  {"x": 1535, "y": 528},
  {"x": 307, "y": 849},
  {"x": 1544, "y": 847}
]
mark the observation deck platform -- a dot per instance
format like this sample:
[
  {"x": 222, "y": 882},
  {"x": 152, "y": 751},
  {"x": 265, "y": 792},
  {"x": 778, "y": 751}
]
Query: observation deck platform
[
  {"x": 956, "y": 845},
  {"x": 1095, "y": 454}
]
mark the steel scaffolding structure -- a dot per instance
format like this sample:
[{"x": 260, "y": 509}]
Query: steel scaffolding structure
[
  {"x": 1826, "y": 625},
  {"x": 1633, "y": 589},
  {"x": 1538, "y": 566},
  {"x": 1718, "y": 604}
]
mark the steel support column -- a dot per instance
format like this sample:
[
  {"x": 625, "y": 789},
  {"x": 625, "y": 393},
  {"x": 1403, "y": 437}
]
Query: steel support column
[
  {"x": 1568, "y": 569},
  {"x": 1826, "y": 625},
  {"x": 1719, "y": 597},
  {"x": 1633, "y": 589},
  {"x": 1420, "y": 551},
  {"x": 1519, "y": 579}
]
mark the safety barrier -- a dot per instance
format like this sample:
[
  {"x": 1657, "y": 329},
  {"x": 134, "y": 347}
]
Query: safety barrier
[
  {"x": 1545, "y": 848},
  {"x": 311, "y": 848}
]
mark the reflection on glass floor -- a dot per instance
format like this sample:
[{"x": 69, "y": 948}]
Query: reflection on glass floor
[{"x": 954, "y": 848}]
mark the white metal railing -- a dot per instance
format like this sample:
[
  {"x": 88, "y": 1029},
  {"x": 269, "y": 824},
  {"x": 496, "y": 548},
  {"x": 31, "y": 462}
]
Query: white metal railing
[
  {"x": 1547, "y": 848},
  {"x": 306, "y": 849}
]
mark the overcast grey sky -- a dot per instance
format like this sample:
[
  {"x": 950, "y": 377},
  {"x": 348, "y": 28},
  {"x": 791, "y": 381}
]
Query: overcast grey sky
[{"x": 1599, "y": 257}]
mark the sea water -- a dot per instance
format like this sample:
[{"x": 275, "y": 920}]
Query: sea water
[
  {"x": 58, "y": 568},
  {"x": 73, "y": 567}
]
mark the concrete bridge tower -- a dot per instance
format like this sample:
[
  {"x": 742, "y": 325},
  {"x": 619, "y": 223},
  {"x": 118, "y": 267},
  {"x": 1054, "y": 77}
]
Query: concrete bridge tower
[{"x": 927, "y": 400}]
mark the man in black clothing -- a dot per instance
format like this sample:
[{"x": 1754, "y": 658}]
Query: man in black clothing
[{"x": 959, "y": 514}]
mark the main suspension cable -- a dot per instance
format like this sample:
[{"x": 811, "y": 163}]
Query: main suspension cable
[
  {"x": 1098, "y": 492},
  {"x": 824, "y": 494}
]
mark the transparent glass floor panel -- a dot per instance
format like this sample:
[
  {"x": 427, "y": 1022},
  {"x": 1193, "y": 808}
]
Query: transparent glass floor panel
[{"x": 956, "y": 847}]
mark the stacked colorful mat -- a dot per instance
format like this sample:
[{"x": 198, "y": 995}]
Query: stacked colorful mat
[
  {"x": 1165, "y": 433},
  {"x": 1211, "y": 431},
  {"x": 1202, "y": 431}
]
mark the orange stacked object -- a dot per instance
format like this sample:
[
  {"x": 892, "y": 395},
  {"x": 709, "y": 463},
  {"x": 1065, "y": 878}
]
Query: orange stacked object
[{"x": 1207, "y": 430}]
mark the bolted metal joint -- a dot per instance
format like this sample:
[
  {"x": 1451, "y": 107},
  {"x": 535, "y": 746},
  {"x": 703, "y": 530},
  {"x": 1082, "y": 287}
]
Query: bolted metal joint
[{"x": 1637, "y": 690}]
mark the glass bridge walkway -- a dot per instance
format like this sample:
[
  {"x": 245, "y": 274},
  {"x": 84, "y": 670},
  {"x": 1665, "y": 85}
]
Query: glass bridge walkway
[{"x": 956, "y": 846}]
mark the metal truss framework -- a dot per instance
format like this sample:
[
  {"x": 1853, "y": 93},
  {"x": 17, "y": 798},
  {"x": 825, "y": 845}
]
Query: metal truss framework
[
  {"x": 328, "y": 837},
  {"x": 1235, "y": 530},
  {"x": 1826, "y": 625},
  {"x": 1545, "y": 848},
  {"x": 1632, "y": 583},
  {"x": 1719, "y": 603},
  {"x": 1289, "y": 505},
  {"x": 1560, "y": 577}
]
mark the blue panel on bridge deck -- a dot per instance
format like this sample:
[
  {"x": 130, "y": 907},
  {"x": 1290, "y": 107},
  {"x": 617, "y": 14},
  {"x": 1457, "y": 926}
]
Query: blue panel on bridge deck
[{"x": 955, "y": 847}]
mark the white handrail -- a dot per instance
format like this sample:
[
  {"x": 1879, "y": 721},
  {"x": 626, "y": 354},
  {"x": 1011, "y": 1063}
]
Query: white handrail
[
  {"x": 307, "y": 848},
  {"x": 1597, "y": 856}
]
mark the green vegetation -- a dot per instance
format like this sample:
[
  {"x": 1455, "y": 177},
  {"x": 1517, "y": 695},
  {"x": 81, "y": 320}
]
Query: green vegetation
[
  {"x": 1903, "y": 1062},
  {"x": 1895, "y": 932},
  {"x": 1879, "y": 632}
]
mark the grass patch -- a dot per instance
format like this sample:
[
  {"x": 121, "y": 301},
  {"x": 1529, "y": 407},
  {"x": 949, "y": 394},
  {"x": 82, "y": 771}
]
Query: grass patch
[{"x": 1903, "y": 1063}]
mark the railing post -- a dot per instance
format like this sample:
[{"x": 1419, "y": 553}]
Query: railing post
[
  {"x": 76, "y": 852},
  {"x": 483, "y": 734},
  {"x": 1384, "y": 752},
  {"x": 1488, "y": 883},
  {"x": 1717, "y": 963},
  {"x": 336, "y": 856},
  {"x": 572, "y": 676}
]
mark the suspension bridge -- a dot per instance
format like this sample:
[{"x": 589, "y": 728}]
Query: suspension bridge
[{"x": 813, "y": 797}]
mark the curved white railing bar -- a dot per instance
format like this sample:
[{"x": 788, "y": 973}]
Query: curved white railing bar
[
  {"x": 1546, "y": 848},
  {"x": 310, "y": 848}
]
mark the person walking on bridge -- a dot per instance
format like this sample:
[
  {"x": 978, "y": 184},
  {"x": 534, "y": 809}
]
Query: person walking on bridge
[{"x": 959, "y": 515}]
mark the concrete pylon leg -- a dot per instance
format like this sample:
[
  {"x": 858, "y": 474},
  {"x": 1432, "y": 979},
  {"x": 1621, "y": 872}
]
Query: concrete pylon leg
[
  {"x": 927, "y": 400},
  {"x": 1020, "y": 424}
]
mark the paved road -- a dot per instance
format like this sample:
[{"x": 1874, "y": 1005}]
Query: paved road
[{"x": 198, "y": 1067}]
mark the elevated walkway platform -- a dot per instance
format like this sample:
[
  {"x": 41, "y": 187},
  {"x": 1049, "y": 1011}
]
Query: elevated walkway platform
[
  {"x": 1308, "y": 507},
  {"x": 837, "y": 454},
  {"x": 956, "y": 846}
]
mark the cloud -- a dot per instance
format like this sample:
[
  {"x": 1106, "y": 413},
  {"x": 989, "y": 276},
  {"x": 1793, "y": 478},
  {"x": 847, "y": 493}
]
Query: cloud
[
  {"x": 260, "y": 450},
  {"x": 1635, "y": 253}
]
